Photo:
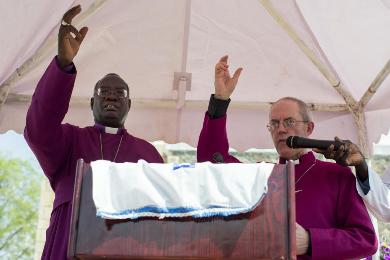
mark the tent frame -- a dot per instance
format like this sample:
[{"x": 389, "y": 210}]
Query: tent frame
[{"x": 183, "y": 83}]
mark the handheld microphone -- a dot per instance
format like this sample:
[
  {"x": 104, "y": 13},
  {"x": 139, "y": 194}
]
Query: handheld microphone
[
  {"x": 218, "y": 158},
  {"x": 302, "y": 142}
]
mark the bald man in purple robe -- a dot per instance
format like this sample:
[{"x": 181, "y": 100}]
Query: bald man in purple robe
[
  {"x": 58, "y": 146},
  {"x": 332, "y": 221}
]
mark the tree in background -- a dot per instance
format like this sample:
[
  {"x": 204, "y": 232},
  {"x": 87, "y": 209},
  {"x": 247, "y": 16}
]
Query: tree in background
[{"x": 19, "y": 203}]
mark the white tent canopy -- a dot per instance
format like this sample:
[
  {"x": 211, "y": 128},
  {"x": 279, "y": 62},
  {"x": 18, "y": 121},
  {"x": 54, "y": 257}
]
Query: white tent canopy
[{"x": 325, "y": 52}]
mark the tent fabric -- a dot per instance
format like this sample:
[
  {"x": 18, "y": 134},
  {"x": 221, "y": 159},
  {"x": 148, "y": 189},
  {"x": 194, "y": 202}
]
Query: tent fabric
[{"x": 147, "y": 41}]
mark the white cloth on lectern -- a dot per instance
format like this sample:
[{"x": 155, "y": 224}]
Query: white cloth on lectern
[{"x": 134, "y": 190}]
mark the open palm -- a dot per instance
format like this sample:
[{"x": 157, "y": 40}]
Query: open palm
[
  {"x": 224, "y": 84},
  {"x": 69, "y": 38}
]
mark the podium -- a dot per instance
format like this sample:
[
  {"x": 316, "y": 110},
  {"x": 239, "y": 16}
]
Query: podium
[{"x": 267, "y": 232}]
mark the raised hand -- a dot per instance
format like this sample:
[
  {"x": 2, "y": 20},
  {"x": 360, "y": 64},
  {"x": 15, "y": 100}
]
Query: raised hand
[
  {"x": 69, "y": 38},
  {"x": 224, "y": 84}
]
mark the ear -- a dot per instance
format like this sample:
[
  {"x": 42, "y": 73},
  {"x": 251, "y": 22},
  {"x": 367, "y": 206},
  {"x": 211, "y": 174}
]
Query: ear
[
  {"x": 91, "y": 102},
  {"x": 129, "y": 104},
  {"x": 310, "y": 128}
]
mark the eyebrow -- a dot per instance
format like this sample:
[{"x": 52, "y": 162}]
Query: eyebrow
[{"x": 277, "y": 120}]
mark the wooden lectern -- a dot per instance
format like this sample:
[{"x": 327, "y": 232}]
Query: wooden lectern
[{"x": 268, "y": 232}]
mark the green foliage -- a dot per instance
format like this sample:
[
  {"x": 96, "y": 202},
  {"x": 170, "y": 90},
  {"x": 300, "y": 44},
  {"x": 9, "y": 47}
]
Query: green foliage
[
  {"x": 19, "y": 202},
  {"x": 380, "y": 163}
]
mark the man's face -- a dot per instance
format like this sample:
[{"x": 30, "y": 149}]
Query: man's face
[
  {"x": 110, "y": 103},
  {"x": 288, "y": 111}
]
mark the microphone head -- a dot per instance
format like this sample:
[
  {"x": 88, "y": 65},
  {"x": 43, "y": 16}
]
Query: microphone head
[{"x": 290, "y": 141}]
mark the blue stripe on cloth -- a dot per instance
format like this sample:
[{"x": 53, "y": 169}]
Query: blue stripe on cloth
[
  {"x": 183, "y": 165},
  {"x": 152, "y": 211}
]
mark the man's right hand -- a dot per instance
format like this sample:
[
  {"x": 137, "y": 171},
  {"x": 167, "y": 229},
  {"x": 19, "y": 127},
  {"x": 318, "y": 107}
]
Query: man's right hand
[
  {"x": 69, "y": 38},
  {"x": 224, "y": 84}
]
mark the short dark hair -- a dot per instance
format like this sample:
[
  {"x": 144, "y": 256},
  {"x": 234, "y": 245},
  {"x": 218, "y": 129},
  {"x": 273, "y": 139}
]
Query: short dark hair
[{"x": 303, "y": 107}]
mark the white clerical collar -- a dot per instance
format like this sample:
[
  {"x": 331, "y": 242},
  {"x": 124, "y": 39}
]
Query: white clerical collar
[{"x": 111, "y": 130}]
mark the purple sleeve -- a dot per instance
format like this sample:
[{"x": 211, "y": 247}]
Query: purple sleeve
[
  {"x": 149, "y": 152},
  {"x": 213, "y": 139},
  {"x": 44, "y": 133},
  {"x": 356, "y": 236}
]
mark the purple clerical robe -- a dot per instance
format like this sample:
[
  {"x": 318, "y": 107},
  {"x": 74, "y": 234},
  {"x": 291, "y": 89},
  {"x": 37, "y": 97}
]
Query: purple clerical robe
[
  {"x": 57, "y": 147},
  {"x": 327, "y": 203}
]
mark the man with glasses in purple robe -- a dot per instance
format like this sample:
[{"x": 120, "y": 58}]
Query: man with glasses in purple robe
[
  {"x": 58, "y": 146},
  {"x": 332, "y": 221}
]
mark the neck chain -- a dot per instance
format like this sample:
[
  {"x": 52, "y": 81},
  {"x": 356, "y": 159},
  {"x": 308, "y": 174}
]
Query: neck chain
[
  {"x": 101, "y": 147},
  {"x": 303, "y": 175}
]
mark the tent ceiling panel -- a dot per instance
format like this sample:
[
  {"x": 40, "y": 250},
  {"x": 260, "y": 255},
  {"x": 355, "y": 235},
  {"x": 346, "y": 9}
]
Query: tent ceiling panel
[
  {"x": 13, "y": 116},
  {"x": 378, "y": 122},
  {"x": 272, "y": 62},
  {"x": 354, "y": 36},
  {"x": 141, "y": 42},
  {"x": 381, "y": 99},
  {"x": 25, "y": 26},
  {"x": 145, "y": 41}
]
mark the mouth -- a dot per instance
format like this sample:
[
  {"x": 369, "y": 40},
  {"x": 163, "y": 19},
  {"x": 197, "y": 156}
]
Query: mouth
[
  {"x": 282, "y": 142},
  {"x": 110, "y": 107}
]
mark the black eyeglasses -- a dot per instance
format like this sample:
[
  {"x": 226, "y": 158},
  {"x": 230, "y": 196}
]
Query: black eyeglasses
[
  {"x": 106, "y": 92},
  {"x": 287, "y": 123}
]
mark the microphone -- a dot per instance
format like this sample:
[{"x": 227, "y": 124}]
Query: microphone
[
  {"x": 218, "y": 158},
  {"x": 302, "y": 142}
]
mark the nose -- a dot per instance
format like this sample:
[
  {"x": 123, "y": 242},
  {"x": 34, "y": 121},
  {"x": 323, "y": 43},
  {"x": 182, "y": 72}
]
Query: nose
[
  {"x": 282, "y": 128},
  {"x": 112, "y": 96}
]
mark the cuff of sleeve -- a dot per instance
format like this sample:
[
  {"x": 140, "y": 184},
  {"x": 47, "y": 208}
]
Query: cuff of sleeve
[
  {"x": 309, "y": 246},
  {"x": 70, "y": 69},
  {"x": 320, "y": 244},
  {"x": 217, "y": 107},
  {"x": 365, "y": 185}
]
